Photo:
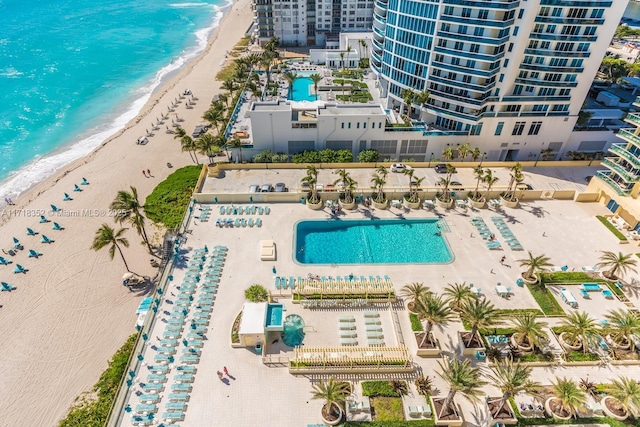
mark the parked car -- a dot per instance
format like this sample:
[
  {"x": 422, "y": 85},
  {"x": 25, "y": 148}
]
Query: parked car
[
  {"x": 442, "y": 168},
  {"x": 266, "y": 188},
  {"x": 399, "y": 167},
  {"x": 281, "y": 188},
  {"x": 254, "y": 188}
]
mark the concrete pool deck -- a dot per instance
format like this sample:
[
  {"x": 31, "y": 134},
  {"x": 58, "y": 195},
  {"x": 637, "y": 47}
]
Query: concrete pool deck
[{"x": 566, "y": 231}]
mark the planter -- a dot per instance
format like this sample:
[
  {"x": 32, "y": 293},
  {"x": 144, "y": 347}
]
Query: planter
[
  {"x": 613, "y": 344},
  {"x": 608, "y": 400},
  {"x": 432, "y": 350},
  {"x": 514, "y": 342},
  {"x": 530, "y": 281},
  {"x": 454, "y": 420},
  {"x": 333, "y": 422},
  {"x": 508, "y": 203},
  {"x": 349, "y": 206},
  {"x": 566, "y": 345},
  {"x": 315, "y": 206},
  {"x": 383, "y": 205},
  {"x": 477, "y": 204},
  {"x": 446, "y": 205},
  {"x": 410, "y": 205},
  {"x": 547, "y": 407},
  {"x": 470, "y": 351},
  {"x": 213, "y": 170},
  {"x": 505, "y": 416}
]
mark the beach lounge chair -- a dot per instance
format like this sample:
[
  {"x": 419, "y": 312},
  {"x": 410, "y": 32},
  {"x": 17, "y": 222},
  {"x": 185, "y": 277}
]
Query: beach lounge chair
[
  {"x": 57, "y": 226},
  {"x": 347, "y": 318},
  {"x": 251, "y": 224},
  {"x": 584, "y": 293},
  {"x": 258, "y": 222},
  {"x": 67, "y": 198},
  {"x": 278, "y": 284},
  {"x": 267, "y": 210},
  {"x": 375, "y": 334},
  {"x": 149, "y": 398},
  {"x": 173, "y": 416},
  {"x": 181, "y": 387},
  {"x": 348, "y": 341},
  {"x": 177, "y": 397},
  {"x": 292, "y": 283},
  {"x": 156, "y": 378},
  {"x": 425, "y": 410},
  {"x": 350, "y": 333},
  {"x": 375, "y": 342},
  {"x": 43, "y": 219},
  {"x": 607, "y": 293},
  {"x": 34, "y": 254},
  {"x": 372, "y": 320},
  {"x": 7, "y": 287},
  {"x": 373, "y": 327},
  {"x": 413, "y": 411},
  {"x": 45, "y": 239},
  {"x": 30, "y": 232},
  {"x": 20, "y": 269},
  {"x": 158, "y": 369},
  {"x": 156, "y": 387},
  {"x": 145, "y": 408},
  {"x": 365, "y": 406},
  {"x": 369, "y": 313},
  {"x": 176, "y": 406},
  {"x": 84, "y": 181},
  {"x": 184, "y": 378},
  {"x": 4, "y": 261},
  {"x": 76, "y": 188},
  {"x": 187, "y": 369},
  {"x": 190, "y": 359}
]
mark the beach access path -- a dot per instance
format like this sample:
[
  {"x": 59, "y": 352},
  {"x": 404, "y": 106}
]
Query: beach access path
[{"x": 70, "y": 313}]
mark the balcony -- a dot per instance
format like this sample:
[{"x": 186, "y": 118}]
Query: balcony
[
  {"x": 533, "y": 98},
  {"x": 637, "y": 102},
  {"x": 536, "y": 82},
  {"x": 471, "y": 71},
  {"x": 469, "y": 55},
  {"x": 633, "y": 118},
  {"x": 458, "y": 84},
  {"x": 569, "y": 21},
  {"x": 629, "y": 136},
  {"x": 502, "y": 5},
  {"x": 546, "y": 52},
  {"x": 563, "y": 38},
  {"x": 621, "y": 151},
  {"x": 604, "y": 176},
  {"x": 470, "y": 38},
  {"x": 548, "y": 68},
  {"x": 628, "y": 176},
  {"x": 576, "y": 3},
  {"x": 478, "y": 22}
]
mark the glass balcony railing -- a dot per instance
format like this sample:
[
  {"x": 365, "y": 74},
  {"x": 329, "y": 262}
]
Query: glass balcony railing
[
  {"x": 637, "y": 102},
  {"x": 628, "y": 176},
  {"x": 621, "y": 150},
  {"x": 633, "y": 118},
  {"x": 604, "y": 176},
  {"x": 630, "y": 136}
]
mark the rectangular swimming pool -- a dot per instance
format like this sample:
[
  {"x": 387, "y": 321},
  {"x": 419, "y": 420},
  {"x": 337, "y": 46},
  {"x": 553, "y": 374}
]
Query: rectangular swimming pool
[
  {"x": 302, "y": 87},
  {"x": 394, "y": 241}
]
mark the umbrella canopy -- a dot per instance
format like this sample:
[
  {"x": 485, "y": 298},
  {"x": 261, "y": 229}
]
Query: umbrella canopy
[
  {"x": 15, "y": 240},
  {"x": 127, "y": 276}
]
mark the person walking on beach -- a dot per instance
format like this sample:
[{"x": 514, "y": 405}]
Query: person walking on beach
[
  {"x": 226, "y": 372},
  {"x": 220, "y": 374},
  {"x": 149, "y": 173},
  {"x": 144, "y": 173}
]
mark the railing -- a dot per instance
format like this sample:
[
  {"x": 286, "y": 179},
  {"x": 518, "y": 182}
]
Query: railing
[
  {"x": 621, "y": 150},
  {"x": 633, "y": 118},
  {"x": 628, "y": 176},
  {"x": 603, "y": 175}
]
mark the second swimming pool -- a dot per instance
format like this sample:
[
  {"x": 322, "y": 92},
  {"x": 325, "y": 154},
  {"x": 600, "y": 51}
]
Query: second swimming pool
[
  {"x": 302, "y": 87},
  {"x": 394, "y": 241}
]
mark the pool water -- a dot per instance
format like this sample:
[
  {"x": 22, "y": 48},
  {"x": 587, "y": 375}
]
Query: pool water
[
  {"x": 274, "y": 315},
  {"x": 293, "y": 333},
  {"x": 392, "y": 241},
  {"x": 302, "y": 87}
]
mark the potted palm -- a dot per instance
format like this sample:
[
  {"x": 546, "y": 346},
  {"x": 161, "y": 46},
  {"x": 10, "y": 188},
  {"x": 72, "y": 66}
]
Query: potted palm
[
  {"x": 567, "y": 399},
  {"x": 509, "y": 198},
  {"x": 411, "y": 199},
  {"x": 533, "y": 265},
  {"x": 476, "y": 199},
  {"x": 412, "y": 292},
  {"x": 623, "y": 398},
  {"x": 616, "y": 263},
  {"x": 457, "y": 294},
  {"x": 489, "y": 180},
  {"x": 462, "y": 378},
  {"x": 623, "y": 326},
  {"x": 379, "y": 181},
  {"x": 313, "y": 198},
  {"x": 444, "y": 198},
  {"x": 578, "y": 330},
  {"x": 431, "y": 309},
  {"x": 478, "y": 314},
  {"x": 529, "y": 332},
  {"x": 511, "y": 378},
  {"x": 334, "y": 393},
  {"x": 346, "y": 199}
]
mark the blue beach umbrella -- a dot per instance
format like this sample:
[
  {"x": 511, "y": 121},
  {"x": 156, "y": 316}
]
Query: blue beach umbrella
[
  {"x": 170, "y": 277},
  {"x": 138, "y": 327},
  {"x": 129, "y": 383},
  {"x": 132, "y": 374},
  {"x": 159, "y": 291},
  {"x": 127, "y": 408},
  {"x": 206, "y": 249},
  {"x": 15, "y": 240},
  {"x": 145, "y": 337},
  {"x": 140, "y": 357},
  {"x": 186, "y": 343}
]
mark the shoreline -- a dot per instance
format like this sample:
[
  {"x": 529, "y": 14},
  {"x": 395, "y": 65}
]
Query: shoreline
[
  {"x": 111, "y": 127},
  {"x": 69, "y": 312}
]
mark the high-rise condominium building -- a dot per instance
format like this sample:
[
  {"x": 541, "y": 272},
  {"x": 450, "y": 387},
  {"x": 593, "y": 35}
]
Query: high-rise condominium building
[
  {"x": 512, "y": 71},
  {"x": 311, "y": 22}
]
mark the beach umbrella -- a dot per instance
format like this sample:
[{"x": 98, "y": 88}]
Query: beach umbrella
[
  {"x": 132, "y": 374},
  {"x": 145, "y": 337},
  {"x": 170, "y": 277},
  {"x": 138, "y": 327},
  {"x": 127, "y": 408},
  {"x": 159, "y": 291},
  {"x": 185, "y": 311},
  {"x": 170, "y": 359},
  {"x": 155, "y": 309},
  {"x": 206, "y": 249},
  {"x": 16, "y": 240},
  {"x": 150, "y": 416},
  {"x": 140, "y": 357},
  {"x": 193, "y": 325},
  {"x": 186, "y": 343},
  {"x": 129, "y": 383}
]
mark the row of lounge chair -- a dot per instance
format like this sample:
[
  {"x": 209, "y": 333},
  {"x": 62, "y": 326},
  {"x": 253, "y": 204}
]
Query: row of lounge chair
[
  {"x": 419, "y": 411},
  {"x": 205, "y": 213},
  {"x": 186, "y": 325},
  {"x": 506, "y": 233},
  {"x": 485, "y": 233},
  {"x": 373, "y": 329},
  {"x": 249, "y": 210},
  {"x": 281, "y": 283},
  {"x": 238, "y": 222}
]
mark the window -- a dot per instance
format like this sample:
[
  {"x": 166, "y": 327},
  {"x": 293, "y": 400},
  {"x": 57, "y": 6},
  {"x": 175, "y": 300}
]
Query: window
[
  {"x": 576, "y": 62},
  {"x": 538, "y": 28},
  {"x": 583, "y": 47},
  {"x": 506, "y": 62},
  {"x": 517, "y": 89},
  {"x": 528, "y": 59},
  {"x": 590, "y": 31},
  {"x": 556, "y": 12},
  {"x": 515, "y": 31},
  {"x": 342, "y": 125},
  {"x": 445, "y": 27},
  {"x": 474, "y": 48},
  {"x": 499, "y": 128},
  {"x": 544, "y": 11},
  {"x": 550, "y": 29},
  {"x": 539, "y": 60},
  {"x": 501, "y": 78},
  {"x": 364, "y": 125},
  {"x": 466, "y": 12},
  {"x": 540, "y": 107},
  {"x": 349, "y": 125},
  {"x": 577, "y": 13},
  {"x": 478, "y": 31},
  {"x": 528, "y": 89},
  {"x": 535, "y": 128},
  {"x": 597, "y": 13},
  {"x": 458, "y": 46},
  {"x": 545, "y": 45},
  {"x": 533, "y": 44},
  {"x": 471, "y": 63},
  {"x": 513, "y": 108},
  {"x": 510, "y": 47},
  {"x": 520, "y": 13},
  {"x": 518, "y": 128},
  {"x": 448, "y": 10},
  {"x": 565, "y": 92},
  {"x": 483, "y": 14}
]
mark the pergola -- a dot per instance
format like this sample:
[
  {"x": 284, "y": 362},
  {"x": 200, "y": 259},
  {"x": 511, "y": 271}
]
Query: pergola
[
  {"x": 355, "y": 288},
  {"x": 345, "y": 359}
]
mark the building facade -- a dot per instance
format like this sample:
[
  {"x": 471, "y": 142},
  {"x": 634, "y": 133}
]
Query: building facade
[{"x": 516, "y": 72}]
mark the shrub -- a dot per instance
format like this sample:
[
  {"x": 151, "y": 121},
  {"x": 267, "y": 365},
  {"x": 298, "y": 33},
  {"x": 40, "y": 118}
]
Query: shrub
[
  {"x": 566, "y": 277},
  {"x": 168, "y": 202},
  {"x": 545, "y": 300},
  {"x": 368, "y": 156},
  {"x": 416, "y": 324},
  {"x": 323, "y": 156},
  {"x": 378, "y": 388},
  {"x": 265, "y": 156},
  {"x": 256, "y": 293}
]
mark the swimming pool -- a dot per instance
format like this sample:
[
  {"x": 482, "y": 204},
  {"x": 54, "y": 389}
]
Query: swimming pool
[
  {"x": 302, "y": 87},
  {"x": 273, "y": 320},
  {"x": 293, "y": 333},
  {"x": 394, "y": 241}
]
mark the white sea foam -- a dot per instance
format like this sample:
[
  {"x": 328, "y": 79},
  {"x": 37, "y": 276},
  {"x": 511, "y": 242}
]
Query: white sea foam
[
  {"x": 43, "y": 167},
  {"x": 180, "y": 5}
]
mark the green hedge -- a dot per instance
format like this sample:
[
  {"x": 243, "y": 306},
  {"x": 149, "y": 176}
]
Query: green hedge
[
  {"x": 92, "y": 412},
  {"x": 567, "y": 277},
  {"x": 579, "y": 421},
  {"x": 169, "y": 200},
  {"x": 579, "y": 356},
  {"x": 323, "y": 156},
  {"x": 378, "y": 388},
  {"x": 416, "y": 324},
  {"x": 412, "y": 423},
  {"x": 611, "y": 227},
  {"x": 546, "y": 300}
]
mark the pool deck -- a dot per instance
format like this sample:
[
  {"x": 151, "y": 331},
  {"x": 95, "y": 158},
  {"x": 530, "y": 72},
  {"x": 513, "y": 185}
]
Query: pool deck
[{"x": 257, "y": 394}]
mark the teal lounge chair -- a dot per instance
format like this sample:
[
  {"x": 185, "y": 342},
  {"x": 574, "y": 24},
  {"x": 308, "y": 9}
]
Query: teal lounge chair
[
  {"x": 292, "y": 283},
  {"x": 76, "y": 188},
  {"x": 180, "y": 396},
  {"x": 7, "y": 287},
  {"x": 57, "y": 226},
  {"x": 43, "y": 219},
  {"x": 278, "y": 283},
  {"x": 45, "y": 239},
  {"x": 176, "y": 406},
  {"x": 149, "y": 398},
  {"x": 66, "y": 198},
  {"x": 34, "y": 254},
  {"x": 30, "y": 232},
  {"x": 20, "y": 269},
  {"x": 4, "y": 261},
  {"x": 84, "y": 181}
]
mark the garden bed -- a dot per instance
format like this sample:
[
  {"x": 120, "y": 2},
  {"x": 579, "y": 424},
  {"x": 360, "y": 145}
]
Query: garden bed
[
  {"x": 545, "y": 299},
  {"x": 385, "y": 409},
  {"x": 612, "y": 228}
]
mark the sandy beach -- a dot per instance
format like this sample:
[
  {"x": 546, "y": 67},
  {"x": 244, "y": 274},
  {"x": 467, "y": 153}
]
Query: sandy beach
[{"x": 69, "y": 313}]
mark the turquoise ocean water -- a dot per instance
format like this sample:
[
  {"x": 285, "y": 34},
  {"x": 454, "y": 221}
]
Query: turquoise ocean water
[{"x": 72, "y": 72}]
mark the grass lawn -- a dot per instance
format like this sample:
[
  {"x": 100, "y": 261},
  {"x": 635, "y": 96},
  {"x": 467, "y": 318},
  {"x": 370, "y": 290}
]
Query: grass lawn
[
  {"x": 387, "y": 408},
  {"x": 611, "y": 227},
  {"x": 568, "y": 277},
  {"x": 546, "y": 300}
]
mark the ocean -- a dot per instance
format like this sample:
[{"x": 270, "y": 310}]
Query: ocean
[{"x": 73, "y": 72}]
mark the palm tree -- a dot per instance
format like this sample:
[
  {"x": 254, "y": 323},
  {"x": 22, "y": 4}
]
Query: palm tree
[
  {"x": 533, "y": 265},
  {"x": 516, "y": 178},
  {"x": 445, "y": 195},
  {"x": 290, "y": 77},
  {"x": 215, "y": 116},
  {"x": 479, "y": 314},
  {"x": 363, "y": 43},
  {"x": 569, "y": 395},
  {"x": 229, "y": 85},
  {"x": 623, "y": 326},
  {"x": 334, "y": 393},
  {"x": 457, "y": 294},
  {"x": 107, "y": 236},
  {"x": 579, "y": 327},
  {"x": 312, "y": 180},
  {"x": 237, "y": 144},
  {"x": 617, "y": 263},
  {"x": 408, "y": 96},
  {"x": 349, "y": 49},
  {"x": 626, "y": 393},
  {"x": 448, "y": 154},
  {"x": 475, "y": 154},
  {"x": 463, "y": 151},
  {"x": 530, "y": 330},
  {"x": 223, "y": 98},
  {"x": 315, "y": 78},
  {"x": 462, "y": 378},
  {"x": 414, "y": 185},
  {"x": 188, "y": 144},
  {"x": 348, "y": 184},
  {"x": 342, "y": 62},
  {"x": 208, "y": 146},
  {"x": 431, "y": 309},
  {"x": 511, "y": 378},
  {"x": 127, "y": 207},
  {"x": 414, "y": 291},
  {"x": 479, "y": 173},
  {"x": 378, "y": 185},
  {"x": 422, "y": 98},
  {"x": 490, "y": 180}
]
